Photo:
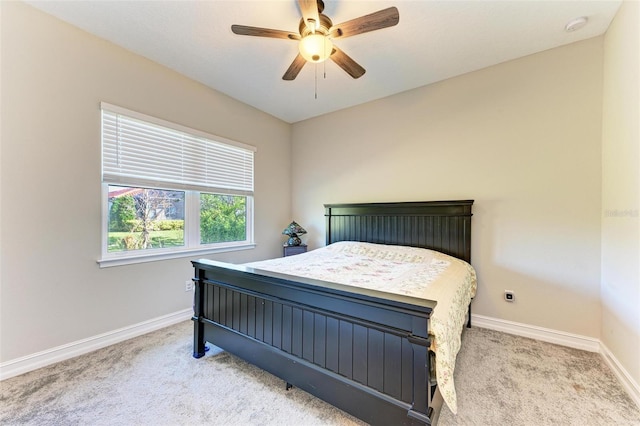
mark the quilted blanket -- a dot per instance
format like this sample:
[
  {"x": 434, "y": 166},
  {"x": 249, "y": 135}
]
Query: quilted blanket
[{"x": 410, "y": 271}]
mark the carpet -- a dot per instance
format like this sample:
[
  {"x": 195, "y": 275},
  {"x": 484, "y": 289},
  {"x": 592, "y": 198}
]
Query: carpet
[{"x": 154, "y": 380}]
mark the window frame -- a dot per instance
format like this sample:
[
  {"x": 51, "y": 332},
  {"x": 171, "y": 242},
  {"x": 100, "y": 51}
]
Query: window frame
[{"x": 192, "y": 246}]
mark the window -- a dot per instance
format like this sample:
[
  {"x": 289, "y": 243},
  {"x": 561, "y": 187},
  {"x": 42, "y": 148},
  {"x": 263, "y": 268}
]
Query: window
[
  {"x": 171, "y": 191},
  {"x": 144, "y": 218}
]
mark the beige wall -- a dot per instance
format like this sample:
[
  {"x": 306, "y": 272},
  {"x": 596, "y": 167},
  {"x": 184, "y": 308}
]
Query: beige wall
[
  {"x": 53, "y": 79},
  {"x": 621, "y": 190},
  {"x": 521, "y": 138}
]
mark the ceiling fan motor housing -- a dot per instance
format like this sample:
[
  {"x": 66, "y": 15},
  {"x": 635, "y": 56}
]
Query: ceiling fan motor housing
[{"x": 323, "y": 28}]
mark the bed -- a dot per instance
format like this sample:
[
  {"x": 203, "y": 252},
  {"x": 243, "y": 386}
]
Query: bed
[{"x": 366, "y": 351}]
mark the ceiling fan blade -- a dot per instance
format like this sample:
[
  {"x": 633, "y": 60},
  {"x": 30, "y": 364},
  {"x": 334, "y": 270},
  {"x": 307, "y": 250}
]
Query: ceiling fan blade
[
  {"x": 310, "y": 14},
  {"x": 374, "y": 21},
  {"x": 263, "y": 32},
  {"x": 345, "y": 62},
  {"x": 294, "y": 68}
]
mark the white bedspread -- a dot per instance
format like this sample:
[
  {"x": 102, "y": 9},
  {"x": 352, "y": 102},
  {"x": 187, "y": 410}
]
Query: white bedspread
[{"x": 410, "y": 271}]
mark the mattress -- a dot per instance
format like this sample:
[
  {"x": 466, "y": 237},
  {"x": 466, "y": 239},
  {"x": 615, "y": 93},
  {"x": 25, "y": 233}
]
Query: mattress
[{"x": 409, "y": 271}]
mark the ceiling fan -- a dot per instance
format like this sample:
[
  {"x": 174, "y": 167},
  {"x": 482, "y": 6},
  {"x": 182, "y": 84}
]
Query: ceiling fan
[{"x": 317, "y": 32}]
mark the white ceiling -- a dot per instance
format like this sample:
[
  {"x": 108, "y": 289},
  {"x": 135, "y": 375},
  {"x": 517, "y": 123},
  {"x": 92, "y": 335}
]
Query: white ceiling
[{"x": 434, "y": 40}]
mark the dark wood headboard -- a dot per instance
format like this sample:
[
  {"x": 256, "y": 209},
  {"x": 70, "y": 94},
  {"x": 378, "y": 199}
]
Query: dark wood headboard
[{"x": 444, "y": 226}]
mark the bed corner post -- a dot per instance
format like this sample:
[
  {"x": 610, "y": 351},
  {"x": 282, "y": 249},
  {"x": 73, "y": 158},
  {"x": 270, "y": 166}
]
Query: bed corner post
[
  {"x": 199, "y": 347},
  {"x": 327, "y": 215},
  {"x": 419, "y": 340}
]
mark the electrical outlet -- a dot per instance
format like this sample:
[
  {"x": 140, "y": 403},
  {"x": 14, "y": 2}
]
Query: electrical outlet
[
  {"x": 188, "y": 285},
  {"x": 509, "y": 296}
]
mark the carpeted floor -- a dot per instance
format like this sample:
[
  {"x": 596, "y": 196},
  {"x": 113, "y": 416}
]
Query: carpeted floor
[{"x": 154, "y": 380}]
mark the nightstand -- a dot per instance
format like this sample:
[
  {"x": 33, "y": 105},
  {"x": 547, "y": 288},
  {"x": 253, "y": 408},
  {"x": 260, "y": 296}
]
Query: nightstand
[{"x": 293, "y": 250}]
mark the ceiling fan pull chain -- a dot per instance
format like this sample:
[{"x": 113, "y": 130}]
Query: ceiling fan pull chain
[
  {"x": 316, "y": 81},
  {"x": 324, "y": 69},
  {"x": 324, "y": 63}
]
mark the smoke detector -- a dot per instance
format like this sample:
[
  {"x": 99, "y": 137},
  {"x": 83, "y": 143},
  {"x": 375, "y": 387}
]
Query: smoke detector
[{"x": 576, "y": 24}]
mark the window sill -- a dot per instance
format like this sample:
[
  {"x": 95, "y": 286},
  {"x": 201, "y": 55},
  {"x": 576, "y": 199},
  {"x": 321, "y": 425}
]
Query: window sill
[{"x": 153, "y": 257}]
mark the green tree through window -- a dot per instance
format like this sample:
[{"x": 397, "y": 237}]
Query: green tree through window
[
  {"x": 223, "y": 218},
  {"x": 144, "y": 218},
  {"x": 122, "y": 214}
]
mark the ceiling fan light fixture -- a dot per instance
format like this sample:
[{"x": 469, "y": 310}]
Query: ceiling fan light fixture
[{"x": 315, "y": 47}]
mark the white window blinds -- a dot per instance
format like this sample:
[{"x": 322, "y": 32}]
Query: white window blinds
[{"x": 146, "y": 151}]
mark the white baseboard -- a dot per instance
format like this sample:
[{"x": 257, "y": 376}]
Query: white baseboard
[
  {"x": 538, "y": 333},
  {"x": 41, "y": 359},
  {"x": 632, "y": 388},
  {"x": 565, "y": 339}
]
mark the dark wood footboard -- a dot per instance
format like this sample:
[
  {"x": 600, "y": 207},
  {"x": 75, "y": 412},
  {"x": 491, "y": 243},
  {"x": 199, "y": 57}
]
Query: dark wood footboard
[
  {"x": 360, "y": 350},
  {"x": 363, "y": 351}
]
